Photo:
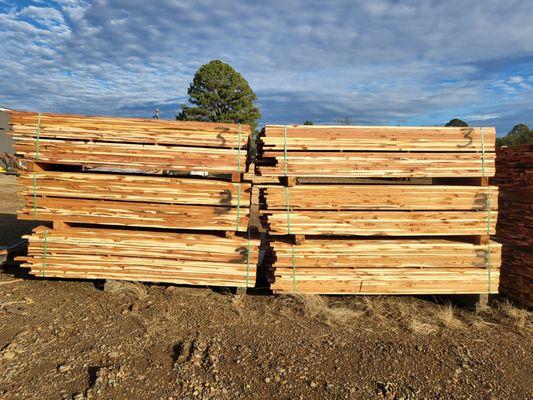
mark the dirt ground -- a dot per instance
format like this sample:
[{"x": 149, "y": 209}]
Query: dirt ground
[{"x": 83, "y": 339}]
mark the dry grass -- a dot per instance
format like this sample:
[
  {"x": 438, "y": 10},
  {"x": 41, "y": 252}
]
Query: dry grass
[
  {"x": 421, "y": 328},
  {"x": 446, "y": 316},
  {"x": 518, "y": 317},
  {"x": 237, "y": 301},
  {"x": 318, "y": 307},
  {"x": 135, "y": 289}
]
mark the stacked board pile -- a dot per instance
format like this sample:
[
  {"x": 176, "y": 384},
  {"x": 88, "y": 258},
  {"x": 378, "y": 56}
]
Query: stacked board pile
[
  {"x": 385, "y": 212},
  {"x": 124, "y": 205},
  {"x": 514, "y": 176}
]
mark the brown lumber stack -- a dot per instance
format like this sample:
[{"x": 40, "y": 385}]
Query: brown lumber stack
[
  {"x": 130, "y": 144},
  {"x": 351, "y": 151},
  {"x": 514, "y": 176},
  {"x": 183, "y": 258},
  {"x": 108, "y": 183},
  {"x": 393, "y": 209}
]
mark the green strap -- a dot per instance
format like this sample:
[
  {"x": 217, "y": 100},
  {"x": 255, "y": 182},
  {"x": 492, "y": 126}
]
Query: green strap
[
  {"x": 239, "y": 151},
  {"x": 293, "y": 270},
  {"x": 38, "y": 137},
  {"x": 489, "y": 206},
  {"x": 285, "y": 150},
  {"x": 488, "y": 242},
  {"x": 248, "y": 259},
  {"x": 482, "y": 153},
  {"x": 34, "y": 197},
  {"x": 287, "y": 202},
  {"x": 44, "y": 251},
  {"x": 238, "y": 207}
]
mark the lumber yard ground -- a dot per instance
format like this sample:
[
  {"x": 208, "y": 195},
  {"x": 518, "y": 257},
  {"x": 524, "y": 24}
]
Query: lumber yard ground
[{"x": 78, "y": 340}]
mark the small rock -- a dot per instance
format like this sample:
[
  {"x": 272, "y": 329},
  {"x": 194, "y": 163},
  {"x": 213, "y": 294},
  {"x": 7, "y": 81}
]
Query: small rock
[
  {"x": 267, "y": 380},
  {"x": 313, "y": 384}
]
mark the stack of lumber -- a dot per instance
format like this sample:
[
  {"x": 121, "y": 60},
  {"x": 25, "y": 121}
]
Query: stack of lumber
[
  {"x": 352, "y": 151},
  {"x": 145, "y": 145},
  {"x": 514, "y": 176},
  {"x": 341, "y": 266},
  {"x": 182, "y": 258},
  {"x": 382, "y": 210},
  {"x": 136, "y": 200},
  {"x": 105, "y": 185},
  {"x": 359, "y": 234}
]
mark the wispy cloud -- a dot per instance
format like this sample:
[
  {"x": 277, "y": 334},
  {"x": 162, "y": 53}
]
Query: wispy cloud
[{"x": 379, "y": 62}]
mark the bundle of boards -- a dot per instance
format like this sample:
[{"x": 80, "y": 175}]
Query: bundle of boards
[
  {"x": 514, "y": 176},
  {"x": 379, "y": 210},
  {"x": 124, "y": 204}
]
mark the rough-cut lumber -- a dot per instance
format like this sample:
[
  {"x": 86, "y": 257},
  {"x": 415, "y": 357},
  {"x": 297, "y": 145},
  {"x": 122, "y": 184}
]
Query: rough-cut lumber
[
  {"x": 183, "y": 258},
  {"x": 138, "y": 188},
  {"x": 393, "y": 152},
  {"x": 514, "y": 175},
  {"x": 374, "y": 138},
  {"x": 129, "y": 130},
  {"x": 390, "y": 253},
  {"x": 380, "y": 223},
  {"x": 389, "y": 281},
  {"x": 362, "y": 266},
  {"x": 377, "y": 197},
  {"x": 126, "y": 213},
  {"x": 375, "y": 164},
  {"x": 131, "y": 157}
]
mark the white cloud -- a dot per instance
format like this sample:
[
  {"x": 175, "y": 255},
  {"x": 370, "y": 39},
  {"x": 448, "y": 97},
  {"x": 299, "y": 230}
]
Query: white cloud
[{"x": 383, "y": 61}]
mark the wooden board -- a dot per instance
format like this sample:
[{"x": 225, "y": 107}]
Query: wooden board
[
  {"x": 373, "y": 138},
  {"x": 389, "y": 281},
  {"x": 184, "y": 258},
  {"x": 374, "y": 164},
  {"x": 379, "y": 223},
  {"x": 377, "y": 197},
  {"x": 379, "y": 253},
  {"x": 129, "y": 130},
  {"x": 131, "y": 157},
  {"x": 136, "y": 188},
  {"x": 125, "y": 213},
  {"x": 363, "y": 266}
]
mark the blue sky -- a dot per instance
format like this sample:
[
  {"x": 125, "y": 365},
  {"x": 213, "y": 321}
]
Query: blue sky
[{"x": 380, "y": 62}]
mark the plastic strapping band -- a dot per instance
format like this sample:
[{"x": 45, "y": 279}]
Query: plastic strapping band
[
  {"x": 248, "y": 259},
  {"x": 285, "y": 150},
  {"x": 44, "y": 251},
  {"x": 482, "y": 153},
  {"x": 489, "y": 266},
  {"x": 34, "y": 197},
  {"x": 488, "y": 233},
  {"x": 239, "y": 151},
  {"x": 287, "y": 202},
  {"x": 38, "y": 137},
  {"x": 38, "y": 134},
  {"x": 238, "y": 207},
  {"x": 293, "y": 270}
]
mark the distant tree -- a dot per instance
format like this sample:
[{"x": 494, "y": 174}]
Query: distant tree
[
  {"x": 520, "y": 134},
  {"x": 457, "y": 122},
  {"x": 307, "y": 122},
  {"x": 346, "y": 120},
  {"x": 220, "y": 94}
]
